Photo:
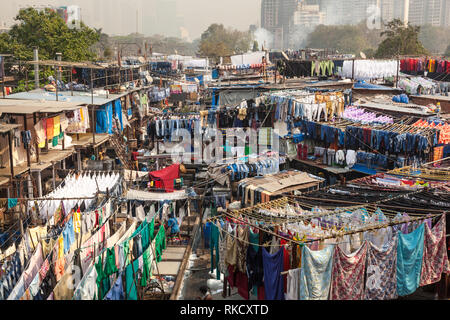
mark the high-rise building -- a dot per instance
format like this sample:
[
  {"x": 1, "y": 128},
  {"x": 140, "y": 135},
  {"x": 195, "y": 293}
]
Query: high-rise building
[
  {"x": 429, "y": 12},
  {"x": 306, "y": 17},
  {"x": 394, "y": 9},
  {"x": 276, "y": 17}
]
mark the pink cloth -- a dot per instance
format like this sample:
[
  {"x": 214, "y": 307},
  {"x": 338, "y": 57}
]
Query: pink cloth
[
  {"x": 33, "y": 267},
  {"x": 44, "y": 269},
  {"x": 348, "y": 274},
  {"x": 116, "y": 253},
  {"x": 435, "y": 259}
]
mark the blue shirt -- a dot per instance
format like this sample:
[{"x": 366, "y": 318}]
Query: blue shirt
[{"x": 174, "y": 224}]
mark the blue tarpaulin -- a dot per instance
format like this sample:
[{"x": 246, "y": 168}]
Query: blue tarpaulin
[
  {"x": 104, "y": 117},
  {"x": 118, "y": 112},
  {"x": 363, "y": 169}
]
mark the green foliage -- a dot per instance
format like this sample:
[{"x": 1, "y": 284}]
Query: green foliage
[
  {"x": 255, "y": 46},
  {"x": 447, "y": 52},
  {"x": 217, "y": 41},
  {"x": 129, "y": 45},
  {"x": 400, "y": 40},
  {"x": 344, "y": 38},
  {"x": 435, "y": 39},
  {"x": 47, "y": 31}
]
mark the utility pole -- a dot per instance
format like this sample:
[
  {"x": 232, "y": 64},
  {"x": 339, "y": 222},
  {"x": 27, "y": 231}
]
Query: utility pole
[{"x": 36, "y": 67}]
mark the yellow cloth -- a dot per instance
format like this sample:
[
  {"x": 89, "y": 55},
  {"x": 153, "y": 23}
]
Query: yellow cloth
[
  {"x": 60, "y": 247},
  {"x": 36, "y": 234},
  {"x": 81, "y": 114},
  {"x": 56, "y": 126},
  {"x": 41, "y": 145},
  {"x": 47, "y": 247},
  {"x": 242, "y": 114},
  {"x": 76, "y": 221}
]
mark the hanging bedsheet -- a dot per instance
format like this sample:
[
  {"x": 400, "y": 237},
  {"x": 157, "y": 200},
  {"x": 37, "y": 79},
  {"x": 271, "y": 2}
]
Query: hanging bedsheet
[
  {"x": 348, "y": 274},
  {"x": 381, "y": 277},
  {"x": 315, "y": 278},
  {"x": 409, "y": 260},
  {"x": 435, "y": 259}
]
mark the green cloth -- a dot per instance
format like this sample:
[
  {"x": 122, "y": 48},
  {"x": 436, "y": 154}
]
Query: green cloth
[
  {"x": 131, "y": 290},
  {"x": 214, "y": 244},
  {"x": 55, "y": 141},
  {"x": 160, "y": 243},
  {"x": 151, "y": 230},
  {"x": 145, "y": 237},
  {"x": 254, "y": 240},
  {"x": 61, "y": 135},
  {"x": 146, "y": 273},
  {"x": 110, "y": 267},
  {"x": 126, "y": 252},
  {"x": 103, "y": 283}
]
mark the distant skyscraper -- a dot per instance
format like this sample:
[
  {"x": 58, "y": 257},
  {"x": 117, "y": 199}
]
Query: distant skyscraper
[
  {"x": 276, "y": 17},
  {"x": 432, "y": 12},
  {"x": 394, "y": 9}
]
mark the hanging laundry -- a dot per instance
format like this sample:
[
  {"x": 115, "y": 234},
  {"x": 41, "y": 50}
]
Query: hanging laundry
[
  {"x": 87, "y": 289},
  {"x": 435, "y": 259},
  {"x": 50, "y": 128},
  {"x": 409, "y": 260},
  {"x": 242, "y": 245},
  {"x": 231, "y": 256},
  {"x": 381, "y": 277},
  {"x": 12, "y": 202},
  {"x": 116, "y": 292},
  {"x": 316, "y": 273},
  {"x": 348, "y": 274},
  {"x": 273, "y": 281},
  {"x": 56, "y": 126},
  {"x": 293, "y": 284}
]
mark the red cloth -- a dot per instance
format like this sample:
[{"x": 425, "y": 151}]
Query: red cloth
[
  {"x": 305, "y": 152},
  {"x": 135, "y": 154},
  {"x": 242, "y": 284},
  {"x": 300, "y": 151},
  {"x": 261, "y": 293},
  {"x": 286, "y": 263},
  {"x": 167, "y": 176},
  {"x": 231, "y": 276}
]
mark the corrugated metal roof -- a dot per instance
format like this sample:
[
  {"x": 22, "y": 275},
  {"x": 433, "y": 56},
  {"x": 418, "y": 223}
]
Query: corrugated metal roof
[
  {"x": 65, "y": 96},
  {"x": 16, "y": 106}
]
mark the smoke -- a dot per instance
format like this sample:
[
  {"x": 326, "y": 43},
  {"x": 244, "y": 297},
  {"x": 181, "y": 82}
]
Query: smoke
[
  {"x": 264, "y": 37},
  {"x": 299, "y": 36}
]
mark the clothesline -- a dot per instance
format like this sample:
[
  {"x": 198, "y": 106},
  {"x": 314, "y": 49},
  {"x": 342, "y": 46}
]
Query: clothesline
[
  {"x": 334, "y": 235},
  {"x": 308, "y": 217}
]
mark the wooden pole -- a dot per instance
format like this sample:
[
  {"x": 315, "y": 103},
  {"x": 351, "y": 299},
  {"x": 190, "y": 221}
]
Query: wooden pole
[
  {"x": 353, "y": 69},
  {"x": 36, "y": 144},
  {"x": 11, "y": 160},
  {"x": 28, "y": 147},
  {"x": 93, "y": 113},
  {"x": 2, "y": 69}
]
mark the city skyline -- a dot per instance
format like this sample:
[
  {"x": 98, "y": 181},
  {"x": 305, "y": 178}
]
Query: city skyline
[{"x": 167, "y": 17}]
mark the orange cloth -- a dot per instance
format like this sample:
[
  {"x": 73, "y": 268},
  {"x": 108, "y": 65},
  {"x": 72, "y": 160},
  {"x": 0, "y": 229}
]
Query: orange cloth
[{"x": 50, "y": 128}]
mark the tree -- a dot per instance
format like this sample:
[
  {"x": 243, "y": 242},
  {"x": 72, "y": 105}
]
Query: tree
[
  {"x": 434, "y": 39},
  {"x": 447, "y": 52},
  {"x": 400, "y": 40},
  {"x": 217, "y": 41},
  {"x": 344, "y": 38},
  {"x": 47, "y": 31},
  {"x": 255, "y": 46}
]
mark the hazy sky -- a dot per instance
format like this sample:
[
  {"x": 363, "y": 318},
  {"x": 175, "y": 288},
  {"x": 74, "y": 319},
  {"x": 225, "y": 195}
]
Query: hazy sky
[{"x": 154, "y": 16}]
